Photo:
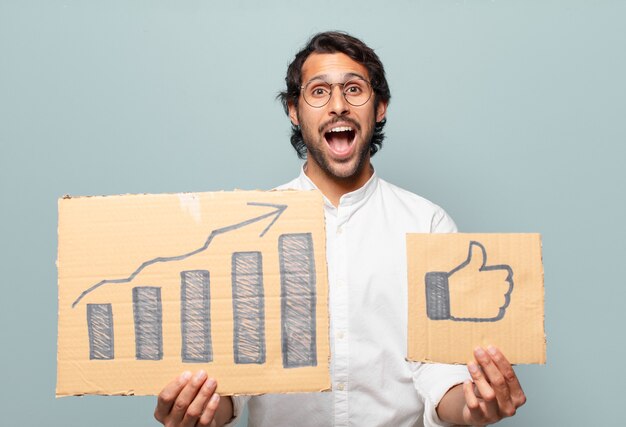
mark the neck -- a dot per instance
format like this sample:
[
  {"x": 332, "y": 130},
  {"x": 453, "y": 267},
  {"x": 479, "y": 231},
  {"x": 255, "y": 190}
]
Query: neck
[{"x": 334, "y": 187}]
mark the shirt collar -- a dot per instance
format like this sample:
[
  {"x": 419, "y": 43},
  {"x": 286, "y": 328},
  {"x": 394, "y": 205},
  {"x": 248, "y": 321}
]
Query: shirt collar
[{"x": 354, "y": 199}]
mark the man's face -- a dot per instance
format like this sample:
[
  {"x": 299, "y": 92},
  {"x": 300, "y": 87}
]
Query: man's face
[{"x": 337, "y": 135}]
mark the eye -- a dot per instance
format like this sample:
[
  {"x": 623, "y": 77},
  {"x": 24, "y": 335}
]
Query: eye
[
  {"x": 319, "y": 91},
  {"x": 353, "y": 88}
]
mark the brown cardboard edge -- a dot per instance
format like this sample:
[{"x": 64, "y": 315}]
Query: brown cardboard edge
[
  {"x": 86, "y": 196},
  {"x": 543, "y": 301},
  {"x": 433, "y": 362},
  {"x": 58, "y": 290},
  {"x": 60, "y": 395}
]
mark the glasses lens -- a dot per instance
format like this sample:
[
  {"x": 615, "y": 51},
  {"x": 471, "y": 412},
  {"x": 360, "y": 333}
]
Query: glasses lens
[
  {"x": 317, "y": 93},
  {"x": 357, "y": 92}
]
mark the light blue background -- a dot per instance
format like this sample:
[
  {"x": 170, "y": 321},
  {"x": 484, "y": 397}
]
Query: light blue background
[{"x": 510, "y": 114}]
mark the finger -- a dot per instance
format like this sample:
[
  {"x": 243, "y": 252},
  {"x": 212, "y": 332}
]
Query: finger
[
  {"x": 496, "y": 381},
  {"x": 515, "y": 389},
  {"x": 168, "y": 396},
  {"x": 488, "y": 395},
  {"x": 196, "y": 408},
  {"x": 471, "y": 401},
  {"x": 476, "y": 392},
  {"x": 186, "y": 396},
  {"x": 470, "y": 398},
  {"x": 209, "y": 411}
]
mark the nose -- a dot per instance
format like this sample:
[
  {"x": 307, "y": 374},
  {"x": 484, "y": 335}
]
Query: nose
[{"x": 337, "y": 104}]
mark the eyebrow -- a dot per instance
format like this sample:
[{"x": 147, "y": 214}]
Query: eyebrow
[{"x": 346, "y": 76}]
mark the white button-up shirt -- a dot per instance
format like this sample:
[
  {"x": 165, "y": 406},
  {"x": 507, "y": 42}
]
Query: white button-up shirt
[{"x": 373, "y": 384}]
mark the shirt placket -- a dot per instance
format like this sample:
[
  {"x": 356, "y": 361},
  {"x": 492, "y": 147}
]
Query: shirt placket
[{"x": 340, "y": 323}]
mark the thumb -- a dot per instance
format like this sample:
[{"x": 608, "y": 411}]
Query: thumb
[{"x": 477, "y": 256}]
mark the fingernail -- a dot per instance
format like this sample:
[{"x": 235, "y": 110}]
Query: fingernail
[
  {"x": 492, "y": 350},
  {"x": 200, "y": 375},
  {"x": 472, "y": 367},
  {"x": 185, "y": 376},
  {"x": 209, "y": 383},
  {"x": 215, "y": 398},
  {"x": 479, "y": 352}
]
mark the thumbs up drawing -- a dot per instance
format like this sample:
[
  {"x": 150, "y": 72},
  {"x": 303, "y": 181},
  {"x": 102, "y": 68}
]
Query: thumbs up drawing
[{"x": 471, "y": 292}]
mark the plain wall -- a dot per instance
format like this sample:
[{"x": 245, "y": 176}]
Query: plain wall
[{"x": 509, "y": 114}]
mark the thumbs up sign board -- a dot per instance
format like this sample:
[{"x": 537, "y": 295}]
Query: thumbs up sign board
[{"x": 469, "y": 290}]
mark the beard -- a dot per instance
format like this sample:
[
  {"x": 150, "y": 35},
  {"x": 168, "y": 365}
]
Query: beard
[
  {"x": 322, "y": 160},
  {"x": 315, "y": 141}
]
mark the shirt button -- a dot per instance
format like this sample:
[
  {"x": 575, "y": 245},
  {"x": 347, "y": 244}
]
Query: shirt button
[
  {"x": 340, "y": 335},
  {"x": 339, "y": 230},
  {"x": 341, "y": 283},
  {"x": 340, "y": 386}
]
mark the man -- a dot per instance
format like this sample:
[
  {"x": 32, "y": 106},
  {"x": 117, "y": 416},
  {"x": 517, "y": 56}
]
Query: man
[{"x": 336, "y": 98}]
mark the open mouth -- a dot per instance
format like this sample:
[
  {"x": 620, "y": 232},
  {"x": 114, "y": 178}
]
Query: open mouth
[{"x": 340, "y": 139}]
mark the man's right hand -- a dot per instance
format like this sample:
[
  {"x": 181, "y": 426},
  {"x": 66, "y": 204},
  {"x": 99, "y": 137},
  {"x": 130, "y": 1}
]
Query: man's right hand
[{"x": 192, "y": 401}]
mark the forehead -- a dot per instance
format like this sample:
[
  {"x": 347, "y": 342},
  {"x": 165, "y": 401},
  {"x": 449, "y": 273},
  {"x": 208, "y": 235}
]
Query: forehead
[{"x": 331, "y": 67}]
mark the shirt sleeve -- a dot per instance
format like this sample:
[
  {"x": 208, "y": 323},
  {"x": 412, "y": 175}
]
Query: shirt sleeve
[
  {"x": 442, "y": 223},
  {"x": 239, "y": 403},
  {"x": 432, "y": 381}
]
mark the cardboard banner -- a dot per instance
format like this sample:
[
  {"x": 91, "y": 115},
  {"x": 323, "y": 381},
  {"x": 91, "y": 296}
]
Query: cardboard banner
[
  {"x": 233, "y": 282},
  {"x": 467, "y": 290}
]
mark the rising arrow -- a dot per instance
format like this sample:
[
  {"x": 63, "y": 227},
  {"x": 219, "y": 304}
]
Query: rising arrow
[{"x": 279, "y": 209}]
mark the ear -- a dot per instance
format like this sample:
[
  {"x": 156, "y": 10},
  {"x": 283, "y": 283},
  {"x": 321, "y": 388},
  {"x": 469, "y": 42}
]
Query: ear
[
  {"x": 293, "y": 114},
  {"x": 381, "y": 111}
]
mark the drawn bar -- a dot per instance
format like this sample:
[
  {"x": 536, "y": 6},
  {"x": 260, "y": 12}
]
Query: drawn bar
[
  {"x": 298, "y": 298},
  {"x": 248, "y": 307},
  {"x": 437, "y": 295},
  {"x": 195, "y": 313},
  {"x": 100, "y": 326},
  {"x": 148, "y": 318}
]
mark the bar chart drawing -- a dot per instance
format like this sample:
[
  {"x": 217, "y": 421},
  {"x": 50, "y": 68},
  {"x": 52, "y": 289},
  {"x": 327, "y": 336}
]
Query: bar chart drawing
[
  {"x": 231, "y": 282},
  {"x": 148, "y": 319},
  {"x": 248, "y": 308},
  {"x": 100, "y": 329},
  {"x": 298, "y": 299},
  {"x": 195, "y": 304}
]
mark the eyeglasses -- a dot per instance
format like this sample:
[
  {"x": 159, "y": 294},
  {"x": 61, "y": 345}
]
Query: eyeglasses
[{"x": 355, "y": 91}]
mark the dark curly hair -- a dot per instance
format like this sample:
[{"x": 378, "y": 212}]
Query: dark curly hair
[{"x": 336, "y": 42}]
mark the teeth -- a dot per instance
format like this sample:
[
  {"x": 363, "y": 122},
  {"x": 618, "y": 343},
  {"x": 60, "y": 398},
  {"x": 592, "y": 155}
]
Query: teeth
[{"x": 341, "y": 129}]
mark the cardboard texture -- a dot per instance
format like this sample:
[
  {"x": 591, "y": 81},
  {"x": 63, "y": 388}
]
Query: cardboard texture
[
  {"x": 233, "y": 282},
  {"x": 467, "y": 290}
]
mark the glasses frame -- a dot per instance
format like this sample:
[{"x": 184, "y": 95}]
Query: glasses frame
[{"x": 369, "y": 84}]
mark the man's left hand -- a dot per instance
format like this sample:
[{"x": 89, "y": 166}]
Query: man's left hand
[{"x": 495, "y": 392}]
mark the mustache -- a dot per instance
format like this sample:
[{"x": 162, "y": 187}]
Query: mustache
[{"x": 332, "y": 121}]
